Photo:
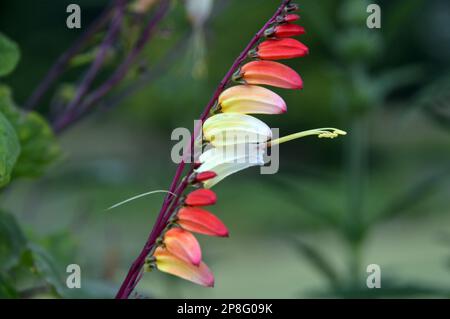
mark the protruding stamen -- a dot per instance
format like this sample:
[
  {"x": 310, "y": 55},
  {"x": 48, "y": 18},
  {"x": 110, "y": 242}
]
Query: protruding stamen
[{"x": 320, "y": 132}]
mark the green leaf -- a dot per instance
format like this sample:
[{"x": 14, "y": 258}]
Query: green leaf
[
  {"x": 9, "y": 55},
  {"x": 9, "y": 150},
  {"x": 7, "y": 289},
  {"x": 434, "y": 100},
  {"x": 396, "y": 78},
  {"x": 319, "y": 261},
  {"x": 38, "y": 144},
  {"x": 419, "y": 191},
  {"x": 12, "y": 241},
  {"x": 49, "y": 270}
]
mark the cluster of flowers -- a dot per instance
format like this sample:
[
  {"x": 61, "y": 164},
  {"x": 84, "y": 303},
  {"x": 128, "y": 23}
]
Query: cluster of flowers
[{"x": 177, "y": 251}]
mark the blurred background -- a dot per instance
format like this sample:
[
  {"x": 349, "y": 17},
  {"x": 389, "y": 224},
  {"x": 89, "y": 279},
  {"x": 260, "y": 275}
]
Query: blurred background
[{"x": 379, "y": 195}]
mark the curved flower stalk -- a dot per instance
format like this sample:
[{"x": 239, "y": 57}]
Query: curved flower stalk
[{"x": 233, "y": 141}]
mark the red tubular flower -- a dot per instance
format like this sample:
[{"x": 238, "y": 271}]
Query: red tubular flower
[
  {"x": 277, "y": 49},
  {"x": 288, "y": 30},
  {"x": 201, "y": 221},
  {"x": 270, "y": 73},
  {"x": 291, "y": 17},
  {"x": 183, "y": 245},
  {"x": 204, "y": 176},
  {"x": 201, "y": 197}
]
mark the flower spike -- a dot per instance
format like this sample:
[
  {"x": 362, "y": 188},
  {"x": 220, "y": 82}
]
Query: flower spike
[
  {"x": 231, "y": 141},
  {"x": 270, "y": 73},
  {"x": 251, "y": 99},
  {"x": 183, "y": 245},
  {"x": 201, "y": 221},
  {"x": 201, "y": 197},
  {"x": 169, "y": 263}
]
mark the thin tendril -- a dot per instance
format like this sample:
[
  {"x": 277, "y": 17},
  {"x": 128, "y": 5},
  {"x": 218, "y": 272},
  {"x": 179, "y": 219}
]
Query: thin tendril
[{"x": 139, "y": 196}]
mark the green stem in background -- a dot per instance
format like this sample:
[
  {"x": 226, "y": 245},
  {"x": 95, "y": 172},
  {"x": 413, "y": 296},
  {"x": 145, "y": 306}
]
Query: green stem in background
[{"x": 356, "y": 175}]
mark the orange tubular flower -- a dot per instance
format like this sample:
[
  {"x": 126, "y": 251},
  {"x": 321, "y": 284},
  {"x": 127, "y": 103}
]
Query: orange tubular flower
[
  {"x": 251, "y": 99},
  {"x": 201, "y": 221},
  {"x": 278, "y": 49},
  {"x": 169, "y": 263},
  {"x": 201, "y": 197},
  {"x": 270, "y": 73},
  {"x": 183, "y": 245}
]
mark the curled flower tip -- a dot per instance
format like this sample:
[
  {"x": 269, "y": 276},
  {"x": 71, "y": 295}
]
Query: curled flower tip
[
  {"x": 271, "y": 73},
  {"x": 234, "y": 128},
  {"x": 204, "y": 176},
  {"x": 201, "y": 221},
  {"x": 278, "y": 49},
  {"x": 169, "y": 263},
  {"x": 251, "y": 99},
  {"x": 291, "y": 7},
  {"x": 183, "y": 245},
  {"x": 321, "y": 133},
  {"x": 201, "y": 197}
]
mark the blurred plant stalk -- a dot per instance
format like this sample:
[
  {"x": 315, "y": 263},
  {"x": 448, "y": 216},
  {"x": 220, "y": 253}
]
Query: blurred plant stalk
[{"x": 359, "y": 92}]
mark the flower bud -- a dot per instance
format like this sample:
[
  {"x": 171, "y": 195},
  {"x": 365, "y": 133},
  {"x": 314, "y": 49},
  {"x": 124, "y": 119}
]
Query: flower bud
[
  {"x": 183, "y": 245},
  {"x": 291, "y": 17},
  {"x": 169, "y": 263},
  {"x": 204, "y": 176},
  {"x": 288, "y": 30},
  {"x": 251, "y": 99},
  {"x": 201, "y": 197},
  {"x": 279, "y": 49},
  {"x": 270, "y": 73},
  {"x": 201, "y": 221}
]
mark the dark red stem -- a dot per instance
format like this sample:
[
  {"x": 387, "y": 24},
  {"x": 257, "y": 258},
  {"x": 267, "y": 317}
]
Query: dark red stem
[
  {"x": 60, "y": 65},
  {"x": 73, "y": 115},
  {"x": 171, "y": 201}
]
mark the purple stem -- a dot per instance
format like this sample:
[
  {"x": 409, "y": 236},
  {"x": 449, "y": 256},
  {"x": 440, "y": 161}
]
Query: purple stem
[
  {"x": 132, "y": 277},
  {"x": 117, "y": 76},
  {"x": 94, "y": 68},
  {"x": 59, "y": 66},
  {"x": 148, "y": 76}
]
